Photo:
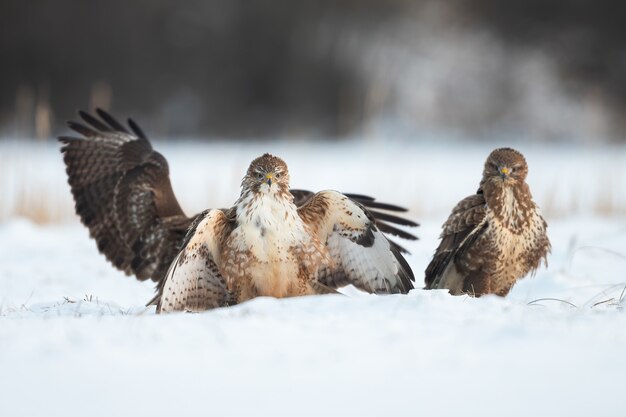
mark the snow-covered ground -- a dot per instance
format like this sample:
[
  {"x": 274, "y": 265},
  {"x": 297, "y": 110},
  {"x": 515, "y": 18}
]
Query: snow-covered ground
[{"x": 75, "y": 339}]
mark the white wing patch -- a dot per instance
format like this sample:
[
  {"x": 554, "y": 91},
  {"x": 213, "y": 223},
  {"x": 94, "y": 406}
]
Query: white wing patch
[
  {"x": 193, "y": 281},
  {"x": 372, "y": 269},
  {"x": 361, "y": 254}
]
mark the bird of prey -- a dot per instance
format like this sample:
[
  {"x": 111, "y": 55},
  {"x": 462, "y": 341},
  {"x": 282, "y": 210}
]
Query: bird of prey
[
  {"x": 494, "y": 237},
  {"x": 265, "y": 245},
  {"x": 274, "y": 241}
]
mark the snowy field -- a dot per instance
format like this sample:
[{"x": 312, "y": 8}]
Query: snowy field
[{"x": 75, "y": 339}]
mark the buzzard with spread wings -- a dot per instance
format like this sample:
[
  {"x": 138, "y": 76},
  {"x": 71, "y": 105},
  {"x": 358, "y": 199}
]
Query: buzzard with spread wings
[{"x": 294, "y": 241}]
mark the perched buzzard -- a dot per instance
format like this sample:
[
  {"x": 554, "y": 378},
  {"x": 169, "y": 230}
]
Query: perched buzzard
[
  {"x": 267, "y": 246},
  {"x": 492, "y": 238},
  {"x": 123, "y": 194}
]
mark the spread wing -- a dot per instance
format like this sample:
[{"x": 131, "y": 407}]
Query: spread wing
[
  {"x": 361, "y": 253},
  {"x": 462, "y": 228},
  {"x": 123, "y": 194},
  {"x": 193, "y": 281},
  {"x": 385, "y": 222}
]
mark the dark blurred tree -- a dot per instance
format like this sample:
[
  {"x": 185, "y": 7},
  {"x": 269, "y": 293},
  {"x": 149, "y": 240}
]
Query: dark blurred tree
[
  {"x": 215, "y": 67},
  {"x": 586, "y": 39},
  {"x": 250, "y": 68}
]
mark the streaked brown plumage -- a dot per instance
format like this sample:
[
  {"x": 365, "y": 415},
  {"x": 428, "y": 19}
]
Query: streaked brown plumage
[
  {"x": 124, "y": 196},
  {"x": 265, "y": 245},
  {"x": 492, "y": 238}
]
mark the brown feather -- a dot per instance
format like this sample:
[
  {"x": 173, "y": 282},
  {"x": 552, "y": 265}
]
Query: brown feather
[
  {"x": 387, "y": 223},
  {"x": 493, "y": 238},
  {"x": 337, "y": 218},
  {"x": 124, "y": 196},
  {"x": 206, "y": 288}
]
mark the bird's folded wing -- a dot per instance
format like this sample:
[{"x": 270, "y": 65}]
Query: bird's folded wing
[
  {"x": 193, "y": 281},
  {"x": 386, "y": 222},
  {"x": 361, "y": 254},
  {"x": 123, "y": 194},
  {"x": 462, "y": 228}
]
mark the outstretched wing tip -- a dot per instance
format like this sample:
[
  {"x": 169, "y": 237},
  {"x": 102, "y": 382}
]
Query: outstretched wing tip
[
  {"x": 109, "y": 171},
  {"x": 136, "y": 129},
  {"x": 363, "y": 255},
  {"x": 67, "y": 139},
  {"x": 384, "y": 221}
]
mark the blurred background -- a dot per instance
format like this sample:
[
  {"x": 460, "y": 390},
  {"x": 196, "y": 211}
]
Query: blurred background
[
  {"x": 539, "y": 69},
  {"x": 399, "y": 99}
]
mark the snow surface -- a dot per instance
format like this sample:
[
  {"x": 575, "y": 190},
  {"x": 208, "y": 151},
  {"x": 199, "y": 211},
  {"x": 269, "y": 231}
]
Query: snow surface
[{"x": 75, "y": 339}]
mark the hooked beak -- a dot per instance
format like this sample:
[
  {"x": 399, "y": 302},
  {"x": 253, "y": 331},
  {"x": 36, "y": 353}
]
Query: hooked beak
[
  {"x": 504, "y": 172},
  {"x": 268, "y": 178}
]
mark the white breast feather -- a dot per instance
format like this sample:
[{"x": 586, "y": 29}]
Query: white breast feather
[
  {"x": 268, "y": 229},
  {"x": 267, "y": 224}
]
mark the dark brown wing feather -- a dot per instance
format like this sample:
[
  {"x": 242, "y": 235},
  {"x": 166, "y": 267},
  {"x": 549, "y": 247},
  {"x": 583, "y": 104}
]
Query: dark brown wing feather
[
  {"x": 386, "y": 223},
  {"x": 465, "y": 217},
  {"x": 124, "y": 196}
]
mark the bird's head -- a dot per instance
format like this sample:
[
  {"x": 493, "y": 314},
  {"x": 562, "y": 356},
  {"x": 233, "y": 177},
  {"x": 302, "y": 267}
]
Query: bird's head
[
  {"x": 267, "y": 174},
  {"x": 505, "y": 165}
]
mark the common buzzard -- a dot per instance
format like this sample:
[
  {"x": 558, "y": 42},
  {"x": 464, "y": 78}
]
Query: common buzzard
[
  {"x": 123, "y": 195},
  {"x": 265, "y": 245},
  {"x": 492, "y": 238}
]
